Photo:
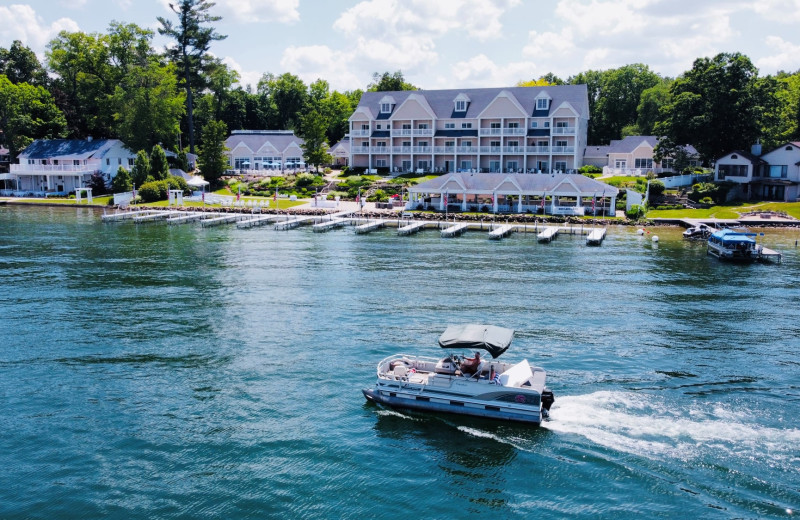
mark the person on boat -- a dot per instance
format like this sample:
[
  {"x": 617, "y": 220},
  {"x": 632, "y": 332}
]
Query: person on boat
[{"x": 470, "y": 365}]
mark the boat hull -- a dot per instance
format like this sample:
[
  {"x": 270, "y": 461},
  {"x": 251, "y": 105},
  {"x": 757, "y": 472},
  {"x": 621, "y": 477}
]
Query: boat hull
[{"x": 473, "y": 409}]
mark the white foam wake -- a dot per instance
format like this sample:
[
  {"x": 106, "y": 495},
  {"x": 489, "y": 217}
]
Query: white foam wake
[{"x": 644, "y": 425}]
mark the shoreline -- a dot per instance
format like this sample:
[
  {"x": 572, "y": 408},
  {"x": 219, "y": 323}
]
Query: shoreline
[{"x": 511, "y": 218}]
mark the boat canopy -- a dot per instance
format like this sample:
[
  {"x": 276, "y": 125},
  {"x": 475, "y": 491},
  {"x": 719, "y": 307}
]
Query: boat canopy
[
  {"x": 494, "y": 340},
  {"x": 731, "y": 236}
]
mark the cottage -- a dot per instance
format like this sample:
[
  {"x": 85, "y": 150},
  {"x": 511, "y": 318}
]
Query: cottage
[
  {"x": 772, "y": 176},
  {"x": 633, "y": 155},
  {"x": 60, "y": 166},
  {"x": 259, "y": 151}
]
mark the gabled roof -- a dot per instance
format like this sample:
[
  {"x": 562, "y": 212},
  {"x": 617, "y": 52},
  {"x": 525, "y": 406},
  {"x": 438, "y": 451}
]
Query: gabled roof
[
  {"x": 632, "y": 142},
  {"x": 600, "y": 152},
  {"x": 255, "y": 140},
  {"x": 528, "y": 183},
  {"x": 441, "y": 101},
  {"x": 68, "y": 149},
  {"x": 747, "y": 155}
]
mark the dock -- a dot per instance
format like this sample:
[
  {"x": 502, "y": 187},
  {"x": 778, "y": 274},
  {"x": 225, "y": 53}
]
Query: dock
[
  {"x": 501, "y": 232},
  {"x": 328, "y": 225},
  {"x": 595, "y": 237},
  {"x": 411, "y": 228},
  {"x": 770, "y": 255},
  {"x": 455, "y": 230},
  {"x": 227, "y": 219},
  {"x": 191, "y": 217},
  {"x": 547, "y": 234},
  {"x": 157, "y": 215},
  {"x": 257, "y": 221},
  {"x": 292, "y": 223},
  {"x": 370, "y": 226},
  {"x": 128, "y": 215}
]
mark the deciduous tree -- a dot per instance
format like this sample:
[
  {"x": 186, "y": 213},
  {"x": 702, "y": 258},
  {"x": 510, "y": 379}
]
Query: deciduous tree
[{"x": 212, "y": 155}]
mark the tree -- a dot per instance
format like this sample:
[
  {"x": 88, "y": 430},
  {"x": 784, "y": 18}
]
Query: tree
[
  {"x": 159, "y": 167},
  {"x": 543, "y": 81},
  {"x": 121, "y": 181},
  {"x": 289, "y": 97},
  {"x": 212, "y": 155},
  {"x": 315, "y": 149},
  {"x": 389, "y": 82},
  {"x": 717, "y": 106},
  {"x": 141, "y": 168},
  {"x": 193, "y": 41},
  {"x": 27, "y": 113},
  {"x": 20, "y": 64},
  {"x": 651, "y": 101},
  {"x": 616, "y": 107},
  {"x": 84, "y": 82}
]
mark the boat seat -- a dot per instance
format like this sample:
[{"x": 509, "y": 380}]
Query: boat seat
[{"x": 400, "y": 371}]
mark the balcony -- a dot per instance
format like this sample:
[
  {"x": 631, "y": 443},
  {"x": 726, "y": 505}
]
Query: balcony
[
  {"x": 360, "y": 133},
  {"x": 538, "y": 149},
  {"x": 564, "y": 130},
  {"x": 401, "y": 132},
  {"x": 423, "y": 132},
  {"x": 563, "y": 149},
  {"x": 78, "y": 169},
  {"x": 502, "y": 131}
]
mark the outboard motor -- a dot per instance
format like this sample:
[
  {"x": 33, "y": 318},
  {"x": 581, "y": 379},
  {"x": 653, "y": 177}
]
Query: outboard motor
[{"x": 547, "y": 399}]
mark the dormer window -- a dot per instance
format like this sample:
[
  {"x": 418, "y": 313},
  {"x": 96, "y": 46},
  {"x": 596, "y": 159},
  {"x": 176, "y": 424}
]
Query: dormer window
[
  {"x": 789, "y": 148},
  {"x": 734, "y": 156},
  {"x": 542, "y": 103},
  {"x": 461, "y": 105},
  {"x": 386, "y": 108}
]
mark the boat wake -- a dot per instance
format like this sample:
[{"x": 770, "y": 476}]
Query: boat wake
[{"x": 641, "y": 424}]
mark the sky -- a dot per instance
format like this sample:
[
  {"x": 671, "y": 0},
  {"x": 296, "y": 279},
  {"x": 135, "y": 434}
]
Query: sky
[{"x": 446, "y": 43}]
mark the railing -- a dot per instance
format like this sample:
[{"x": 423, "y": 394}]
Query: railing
[
  {"x": 502, "y": 131},
  {"x": 399, "y": 132},
  {"x": 79, "y": 168},
  {"x": 562, "y": 149},
  {"x": 633, "y": 172},
  {"x": 423, "y": 131},
  {"x": 538, "y": 149},
  {"x": 563, "y": 130},
  {"x": 359, "y": 133}
]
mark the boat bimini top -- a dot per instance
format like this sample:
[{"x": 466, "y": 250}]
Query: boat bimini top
[{"x": 492, "y": 339}]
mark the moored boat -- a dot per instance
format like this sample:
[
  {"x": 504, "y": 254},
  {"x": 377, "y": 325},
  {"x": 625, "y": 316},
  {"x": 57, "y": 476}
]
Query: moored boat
[
  {"x": 697, "y": 231},
  {"x": 730, "y": 244},
  {"x": 466, "y": 386}
]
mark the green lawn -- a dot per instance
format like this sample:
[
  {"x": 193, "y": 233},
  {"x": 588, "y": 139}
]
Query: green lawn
[{"x": 734, "y": 210}]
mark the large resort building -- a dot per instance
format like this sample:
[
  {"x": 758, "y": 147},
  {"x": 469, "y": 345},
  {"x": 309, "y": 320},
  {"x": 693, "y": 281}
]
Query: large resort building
[{"x": 486, "y": 130}]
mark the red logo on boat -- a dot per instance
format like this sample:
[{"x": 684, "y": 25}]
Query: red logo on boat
[{"x": 520, "y": 398}]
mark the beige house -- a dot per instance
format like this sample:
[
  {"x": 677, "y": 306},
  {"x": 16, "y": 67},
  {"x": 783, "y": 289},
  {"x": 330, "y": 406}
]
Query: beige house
[
  {"x": 632, "y": 155},
  {"x": 518, "y": 130},
  {"x": 259, "y": 151},
  {"x": 340, "y": 152}
]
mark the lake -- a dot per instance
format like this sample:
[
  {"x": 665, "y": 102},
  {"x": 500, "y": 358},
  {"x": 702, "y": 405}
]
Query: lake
[{"x": 180, "y": 372}]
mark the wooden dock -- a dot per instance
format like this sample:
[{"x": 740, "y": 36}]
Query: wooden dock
[
  {"x": 292, "y": 223},
  {"x": 226, "y": 219},
  {"x": 455, "y": 230},
  {"x": 595, "y": 237},
  {"x": 127, "y": 215},
  {"x": 157, "y": 215},
  {"x": 327, "y": 225},
  {"x": 770, "y": 255},
  {"x": 501, "y": 232},
  {"x": 547, "y": 234},
  {"x": 370, "y": 226},
  {"x": 191, "y": 217}
]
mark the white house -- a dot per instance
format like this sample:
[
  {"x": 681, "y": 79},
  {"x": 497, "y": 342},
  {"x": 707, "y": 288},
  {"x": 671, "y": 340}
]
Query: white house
[
  {"x": 557, "y": 194},
  {"x": 772, "y": 176},
  {"x": 341, "y": 152},
  {"x": 257, "y": 151},
  {"x": 59, "y": 166},
  {"x": 515, "y": 129}
]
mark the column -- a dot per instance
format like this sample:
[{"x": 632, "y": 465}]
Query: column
[
  {"x": 519, "y": 204},
  {"x": 464, "y": 201}
]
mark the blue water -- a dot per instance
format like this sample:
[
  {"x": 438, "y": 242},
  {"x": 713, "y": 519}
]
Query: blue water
[{"x": 158, "y": 371}]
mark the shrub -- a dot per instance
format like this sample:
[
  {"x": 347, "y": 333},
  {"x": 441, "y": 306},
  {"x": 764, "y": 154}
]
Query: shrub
[
  {"x": 706, "y": 200},
  {"x": 153, "y": 191},
  {"x": 657, "y": 188},
  {"x": 590, "y": 168},
  {"x": 635, "y": 212},
  {"x": 378, "y": 196},
  {"x": 177, "y": 183}
]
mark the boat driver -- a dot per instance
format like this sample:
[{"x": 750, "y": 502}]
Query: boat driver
[{"x": 470, "y": 365}]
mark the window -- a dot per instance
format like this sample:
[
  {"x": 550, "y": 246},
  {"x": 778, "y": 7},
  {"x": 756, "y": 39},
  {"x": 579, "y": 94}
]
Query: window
[
  {"x": 406, "y": 143},
  {"x": 423, "y": 165},
  {"x": 406, "y": 126},
  {"x": 422, "y": 126},
  {"x": 561, "y": 124},
  {"x": 364, "y": 145},
  {"x": 466, "y": 144},
  {"x": 513, "y": 144},
  {"x": 130, "y": 161},
  {"x": 381, "y": 144},
  {"x": 466, "y": 165},
  {"x": 643, "y": 163},
  {"x": 620, "y": 163},
  {"x": 119, "y": 160},
  {"x": 494, "y": 125},
  {"x": 732, "y": 170},
  {"x": 564, "y": 143},
  {"x": 450, "y": 143},
  {"x": 461, "y": 106},
  {"x": 495, "y": 144},
  {"x": 378, "y": 127},
  {"x": 534, "y": 124},
  {"x": 547, "y": 124},
  {"x": 560, "y": 165},
  {"x": 78, "y": 163},
  {"x": 422, "y": 143},
  {"x": 449, "y": 125},
  {"x": 513, "y": 125},
  {"x": 778, "y": 172},
  {"x": 466, "y": 125},
  {"x": 386, "y": 108},
  {"x": 108, "y": 161},
  {"x": 541, "y": 104},
  {"x": 380, "y": 163},
  {"x": 241, "y": 163}
]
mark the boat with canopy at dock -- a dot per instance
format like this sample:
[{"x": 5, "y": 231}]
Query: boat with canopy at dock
[{"x": 465, "y": 385}]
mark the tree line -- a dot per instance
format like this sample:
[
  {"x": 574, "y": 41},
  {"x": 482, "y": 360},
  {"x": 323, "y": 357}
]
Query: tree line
[{"x": 117, "y": 85}]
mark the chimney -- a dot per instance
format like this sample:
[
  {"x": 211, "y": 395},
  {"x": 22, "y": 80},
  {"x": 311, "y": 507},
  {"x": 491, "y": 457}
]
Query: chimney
[{"x": 756, "y": 149}]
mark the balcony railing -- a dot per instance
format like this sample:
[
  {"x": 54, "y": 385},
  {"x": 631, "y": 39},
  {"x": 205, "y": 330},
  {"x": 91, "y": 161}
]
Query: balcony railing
[
  {"x": 502, "y": 131},
  {"x": 93, "y": 166},
  {"x": 564, "y": 130},
  {"x": 359, "y": 133},
  {"x": 399, "y": 132},
  {"x": 563, "y": 149}
]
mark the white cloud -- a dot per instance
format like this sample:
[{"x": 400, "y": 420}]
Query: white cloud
[
  {"x": 481, "y": 71},
  {"x": 313, "y": 62},
  {"x": 781, "y": 11},
  {"x": 249, "y": 11},
  {"x": 29, "y": 28},
  {"x": 246, "y": 77},
  {"x": 73, "y": 4},
  {"x": 785, "y": 57}
]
